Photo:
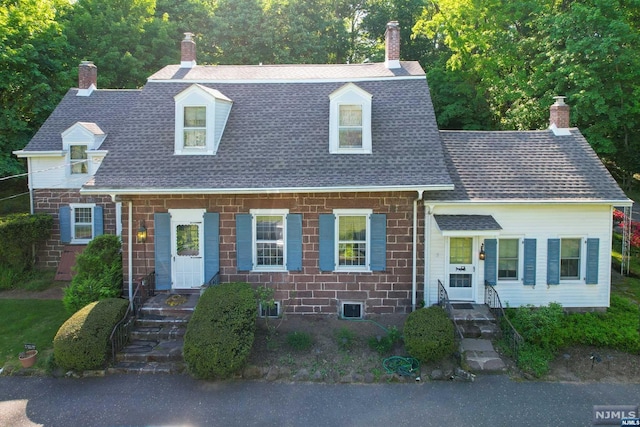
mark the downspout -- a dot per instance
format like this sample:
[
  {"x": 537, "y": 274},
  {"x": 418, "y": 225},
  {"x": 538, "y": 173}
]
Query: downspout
[
  {"x": 414, "y": 273},
  {"x": 130, "y": 250},
  {"x": 428, "y": 214},
  {"x": 31, "y": 208}
]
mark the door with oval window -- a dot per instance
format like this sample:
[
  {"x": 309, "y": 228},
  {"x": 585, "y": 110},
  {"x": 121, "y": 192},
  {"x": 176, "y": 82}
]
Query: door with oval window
[
  {"x": 187, "y": 248},
  {"x": 461, "y": 269}
]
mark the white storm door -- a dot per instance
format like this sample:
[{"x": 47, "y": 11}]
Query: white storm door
[
  {"x": 187, "y": 250},
  {"x": 461, "y": 269}
]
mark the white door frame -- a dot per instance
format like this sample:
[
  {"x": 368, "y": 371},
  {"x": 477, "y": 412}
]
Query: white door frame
[
  {"x": 462, "y": 293},
  {"x": 187, "y": 269}
]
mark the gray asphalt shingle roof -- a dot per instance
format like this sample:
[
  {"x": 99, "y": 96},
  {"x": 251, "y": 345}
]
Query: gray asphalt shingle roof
[
  {"x": 467, "y": 223},
  {"x": 524, "y": 165}
]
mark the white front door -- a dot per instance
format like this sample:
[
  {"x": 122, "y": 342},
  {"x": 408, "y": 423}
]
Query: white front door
[
  {"x": 187, "y": 252},
  {"x": 461, "y": 270}
]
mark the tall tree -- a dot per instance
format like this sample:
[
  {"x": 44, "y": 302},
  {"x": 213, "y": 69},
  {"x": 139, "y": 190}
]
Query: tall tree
[{"x": 34, "y": 72}]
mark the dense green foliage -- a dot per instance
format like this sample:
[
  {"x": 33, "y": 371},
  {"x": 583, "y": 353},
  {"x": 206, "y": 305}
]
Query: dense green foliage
[
  {"x": 383, "y": 344},
  {"x": 429, "y": 334},
  {"x": 82, "y": 342},
  {"x": 546, "y": 330},
  {"x": 98, "y": 273},
  {"x": 18, "y": 232},
  {"x": 299, "y": 341},
  {"x": 220, "y": 333}
]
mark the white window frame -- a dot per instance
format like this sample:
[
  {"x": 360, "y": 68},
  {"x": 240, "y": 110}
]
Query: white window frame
[
  {"x": 520, "y": 267},
  {"x": 581, "y": 260},
  {"x": 185, "y": 128},
  {"x": 72, "y": 215},
  {"x": 254, "y": 238},
  {"x": 72, "y": 163},
  {"x": 263, "y": 310},
  {"x": 194, "y": 97},
  {"x": 353, "y": 212},
  {"x": 349, "y": 94}
]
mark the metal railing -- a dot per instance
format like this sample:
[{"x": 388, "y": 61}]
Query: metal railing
[
  {"x": 144, "y": 289},
  {"x": 509, "y": 334},
  {"x": 443, "y": 301}
]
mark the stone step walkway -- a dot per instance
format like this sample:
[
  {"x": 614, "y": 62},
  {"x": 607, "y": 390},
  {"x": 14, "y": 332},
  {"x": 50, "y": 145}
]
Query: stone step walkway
[{"x": 479, "y": 356}]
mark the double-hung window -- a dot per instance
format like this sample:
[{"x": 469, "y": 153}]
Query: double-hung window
[
  {"x": 570, "y": 259},
  {"x": 78, "y": 159},
  {"x": 508, "y": 259},
  {"x": 269, "y": 245},
  {"x": 350, "y": 126},
  {"x": 80, "y": 222},
  {"x": 195, "y": 127},
  {"x": 352, "y": 243},
  {"x": 350, "y": 120}
]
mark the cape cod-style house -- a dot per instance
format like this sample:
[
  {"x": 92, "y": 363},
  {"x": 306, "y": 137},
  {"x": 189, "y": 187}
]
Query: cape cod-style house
[{"x": 330, "y": 183}]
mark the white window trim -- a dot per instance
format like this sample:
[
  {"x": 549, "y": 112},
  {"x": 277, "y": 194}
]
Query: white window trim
[
  {"x": 73, "y": 207},
  {"x": 261, "y": 309},
  {"x": 360, "y": 303},
  {"x": 194, "y": 97},
  {"x": 71, "y": 161},
  {"x": 352, "y": 212},
  {"x": 254, "y": 239},
  {"x": 349, "y": 94},
  {"x": 520, "y": 271},
  {"x": 582, "y": 268}
]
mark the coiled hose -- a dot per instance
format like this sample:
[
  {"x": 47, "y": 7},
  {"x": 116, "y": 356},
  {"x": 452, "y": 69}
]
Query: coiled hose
[{"x": 405, "y": 366}]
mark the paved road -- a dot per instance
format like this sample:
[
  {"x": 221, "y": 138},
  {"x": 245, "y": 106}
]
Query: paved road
[{"x": 175, "y": 400}]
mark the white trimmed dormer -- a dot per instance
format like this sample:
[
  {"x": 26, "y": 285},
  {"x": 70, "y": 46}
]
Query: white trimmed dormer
[
  {"x": 201, "y": 115},
  {"x": 81, "y": 145},
  {"x": 350, "y": 120}
]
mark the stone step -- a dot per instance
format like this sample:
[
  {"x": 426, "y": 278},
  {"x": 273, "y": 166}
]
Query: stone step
[
  {"x": 478, "y": 329},
  {"x": 147, "y": 368},
  {"x": 152, "y": 351},
  {"x": 160, "y": 321},
  {"x": 479, "y": 356},
  {"x": 158, "y": 332}
]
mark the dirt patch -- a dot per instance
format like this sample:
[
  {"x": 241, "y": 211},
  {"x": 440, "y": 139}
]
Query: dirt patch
[
  {"x": 53, "y": 292},
  {"x": 590, "y": 364},
  {"x": 340, "y": 350}
]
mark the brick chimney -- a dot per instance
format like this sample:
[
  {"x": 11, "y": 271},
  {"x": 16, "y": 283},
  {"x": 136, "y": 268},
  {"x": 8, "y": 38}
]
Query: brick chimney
[
  {"x": 392, "y": 45},
  {"x": 188, "y": 51},
  {"x": 559, "y": 113},
  {"x": 87, "y": 78}
]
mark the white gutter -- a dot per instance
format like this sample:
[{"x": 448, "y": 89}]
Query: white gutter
[
  {"x": 283, "y": 190},
  {"x": 30, "y": 183},
  {"x": 130, "y": 254},
  {"x": 414, "y": 273},
  {"x": 428, "y": 214},
  {"x": 50, "y": 153},
  {"x": 615, "y": 202}
]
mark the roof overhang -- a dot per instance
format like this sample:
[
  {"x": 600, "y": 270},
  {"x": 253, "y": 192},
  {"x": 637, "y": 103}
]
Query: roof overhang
[
  {"x": 464, "y": 225},
  {"x": 613, "y": 202},
  {"x": 52, "y": 153},
  {"x": 87, "y": 189}
]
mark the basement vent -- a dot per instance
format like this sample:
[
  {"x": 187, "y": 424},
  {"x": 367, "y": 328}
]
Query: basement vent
[
  {"x": 352, "y": 310},
  {"x": 272, "y": 310}
]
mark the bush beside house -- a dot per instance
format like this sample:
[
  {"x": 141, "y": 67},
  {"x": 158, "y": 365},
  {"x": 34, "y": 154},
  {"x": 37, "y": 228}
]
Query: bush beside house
[
  {"x": 82, "y": 342},
  {"x": 429, "y": 334},
  {"x": 220, "y": 333},
  {"x": 98, "y": 273}
]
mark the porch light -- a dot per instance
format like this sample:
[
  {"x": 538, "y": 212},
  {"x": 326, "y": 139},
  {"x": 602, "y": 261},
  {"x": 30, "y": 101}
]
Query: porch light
[
  {"x": 142, "y": 232},
  {"x": 482, "y": 252}
]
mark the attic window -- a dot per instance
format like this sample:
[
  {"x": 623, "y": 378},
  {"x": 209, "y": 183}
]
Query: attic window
[
  {"x": 350, "y": 121},
  {"x": 78, "y": 159},
  {"x": 195, "y": 127}
]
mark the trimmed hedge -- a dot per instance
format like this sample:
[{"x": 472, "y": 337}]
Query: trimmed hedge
[
  {"x": 82, "y": 342},
  {"x": 18, "y": 232},
  {"x": 429, "y": 334},
  {"x": 220, "y": 333},
  {"x": 98, "y": 273}
]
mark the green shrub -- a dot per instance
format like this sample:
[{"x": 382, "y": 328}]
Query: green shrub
[
  {"x": 9, "y": 277},
  {"x": 429, "y": 334},
  {"x": 299, "y": 341},
  {"x": 82, "y": 342},
  {"x": 384, "y": 344},
  {"x": 534, "y": 360},
  {"x": 541, "y": 326},
  {"x": 220, "y": 333},
  {"x": 18, "y": 232},
  {"x": 98, "y": 273}
]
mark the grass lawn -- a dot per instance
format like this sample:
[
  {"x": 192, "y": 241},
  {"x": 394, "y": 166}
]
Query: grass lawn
[{"x": 29, "y": 321}]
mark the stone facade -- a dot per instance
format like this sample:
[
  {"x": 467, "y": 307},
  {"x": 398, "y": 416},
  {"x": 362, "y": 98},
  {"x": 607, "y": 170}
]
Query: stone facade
[{"x": 309, "y": 290}]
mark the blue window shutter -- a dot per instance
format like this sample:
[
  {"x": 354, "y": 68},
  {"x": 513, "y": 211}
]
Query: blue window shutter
[
  {"x": 294, "y": 242},
  {"x": 378, "y": 242},
  {"x": 211, "y": 244},
  {"x": 529, "y": 275},
  {"x": 593, "y": 255},
  {"x": 244, "y": 251},
  {"x": 491, "y": 261},
  {"x": 162, "y": 248},
  {"x": 98, "y": 221},
  {"x": 553, "y": 262},
  {"x": 327, "y": 242},
  {"x": 64, "y": 216}
]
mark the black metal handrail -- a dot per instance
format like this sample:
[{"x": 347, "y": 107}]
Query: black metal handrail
[
  {"x": 443, "y": 301},
  {"x": 509, "y": 332},
  {"x": 144, "y": 289}
]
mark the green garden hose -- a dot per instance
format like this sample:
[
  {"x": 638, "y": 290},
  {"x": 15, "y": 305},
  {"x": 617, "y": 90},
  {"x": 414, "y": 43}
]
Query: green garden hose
[{"x": 405, "y": 366}]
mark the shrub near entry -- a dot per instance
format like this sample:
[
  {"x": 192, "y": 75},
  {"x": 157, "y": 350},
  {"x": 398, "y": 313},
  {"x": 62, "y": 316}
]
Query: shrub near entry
[
  {"x": 220, "y": 333},
  {"x": 429, "y": 334}
]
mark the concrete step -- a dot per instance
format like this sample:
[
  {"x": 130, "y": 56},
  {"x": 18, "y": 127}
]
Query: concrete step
[
  {"x": 152, "y": 351},
  {"x": 158, "y": 332},
  {"x": 479, "y": 356},
  {"x": 147, "y": 368},
  {"x": 478, "y": 329}
]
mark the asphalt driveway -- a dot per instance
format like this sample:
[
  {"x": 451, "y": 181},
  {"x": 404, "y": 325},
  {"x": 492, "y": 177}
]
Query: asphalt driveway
[{"x": 176, "y": 400}]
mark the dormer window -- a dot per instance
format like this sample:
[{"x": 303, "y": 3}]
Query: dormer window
[
  {"x": 201, "y": 115},
  {"x": 78, "y": 159},
  {"x": 195, "y": 127},
  {"x": 350, "y": 121}
]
